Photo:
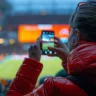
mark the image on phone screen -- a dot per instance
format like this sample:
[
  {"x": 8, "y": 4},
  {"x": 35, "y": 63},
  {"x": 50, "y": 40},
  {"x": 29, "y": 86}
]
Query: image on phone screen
[{"x": 48, "y": 41}]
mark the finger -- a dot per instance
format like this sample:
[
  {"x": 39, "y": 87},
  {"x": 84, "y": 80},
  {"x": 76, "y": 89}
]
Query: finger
[
  {"x": 30, "y": 50},
  {"x": 31, "y": 47},
  {"x": 56, "y": 38},
  {"x": 55, "y": 41},
  {"x": 54, "y": 49},
  {"x": 38, "y": 41},
  {"x": 58, "y": 41},
  {"x": 56, "y": 44},
  {"x": 52, "y": 55},
  {"x": 35, "y": 46}
]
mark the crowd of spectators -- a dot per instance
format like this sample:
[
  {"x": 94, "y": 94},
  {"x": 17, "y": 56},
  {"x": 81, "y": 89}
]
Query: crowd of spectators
[{"x": 4, "y": 85}]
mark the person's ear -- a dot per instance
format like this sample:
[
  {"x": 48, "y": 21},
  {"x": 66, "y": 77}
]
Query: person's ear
[{"x": 76, "y": 37}]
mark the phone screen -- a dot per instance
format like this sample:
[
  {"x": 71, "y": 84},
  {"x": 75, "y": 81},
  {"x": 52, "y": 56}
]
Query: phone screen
[{"x": 48, "y": 41}]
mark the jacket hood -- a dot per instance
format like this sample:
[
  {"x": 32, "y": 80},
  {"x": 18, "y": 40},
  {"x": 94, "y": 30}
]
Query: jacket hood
[{"x": 82, "y": 61}]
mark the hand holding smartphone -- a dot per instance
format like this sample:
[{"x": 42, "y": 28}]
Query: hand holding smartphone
[{"x": 47, "y": 41}]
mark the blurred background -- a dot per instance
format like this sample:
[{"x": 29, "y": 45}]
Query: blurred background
[{"x": 21, "y": 22}]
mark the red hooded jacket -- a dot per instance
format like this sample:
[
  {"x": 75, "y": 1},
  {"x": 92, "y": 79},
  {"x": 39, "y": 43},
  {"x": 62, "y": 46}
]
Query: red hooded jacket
[{"x": 81, "y": 61}]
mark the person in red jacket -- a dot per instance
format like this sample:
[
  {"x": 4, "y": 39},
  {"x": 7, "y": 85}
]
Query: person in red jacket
[{"x": 79, "y": 63}]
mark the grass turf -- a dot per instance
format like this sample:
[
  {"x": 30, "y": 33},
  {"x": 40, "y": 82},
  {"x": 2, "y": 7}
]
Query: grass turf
[
  {"x": 8, "y": 68},
  {"x": 46, "y": 45}
]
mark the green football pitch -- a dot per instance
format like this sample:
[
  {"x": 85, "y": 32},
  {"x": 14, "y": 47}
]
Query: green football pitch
[
  {"x": 46, "y": 45},
  {"x": 8, "y": 68}
]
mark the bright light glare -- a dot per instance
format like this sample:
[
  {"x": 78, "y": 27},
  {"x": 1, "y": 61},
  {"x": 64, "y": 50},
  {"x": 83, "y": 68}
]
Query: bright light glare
[
  {"x": 11, "y": 41},
  {"x": 2, "y": 41}
]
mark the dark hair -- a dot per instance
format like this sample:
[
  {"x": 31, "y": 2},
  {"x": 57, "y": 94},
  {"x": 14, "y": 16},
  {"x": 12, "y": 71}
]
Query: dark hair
[{"x": 84, "y": 19}]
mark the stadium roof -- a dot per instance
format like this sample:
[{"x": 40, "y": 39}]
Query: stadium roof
[{"x": 47, "y": 6}]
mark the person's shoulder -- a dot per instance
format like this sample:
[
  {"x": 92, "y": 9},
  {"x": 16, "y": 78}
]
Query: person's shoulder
[
  {"x": 58, "y": 82},
  {"x": 60, "y": 85}
]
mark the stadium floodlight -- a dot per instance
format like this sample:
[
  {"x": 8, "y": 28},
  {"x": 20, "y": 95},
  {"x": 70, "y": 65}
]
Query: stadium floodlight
[
  {"x": 11, "y": 41},
  {"x": 2, "y": 41}
]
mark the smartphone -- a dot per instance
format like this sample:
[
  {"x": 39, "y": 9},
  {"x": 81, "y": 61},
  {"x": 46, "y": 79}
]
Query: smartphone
[{"x": 48, "y": 41}]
